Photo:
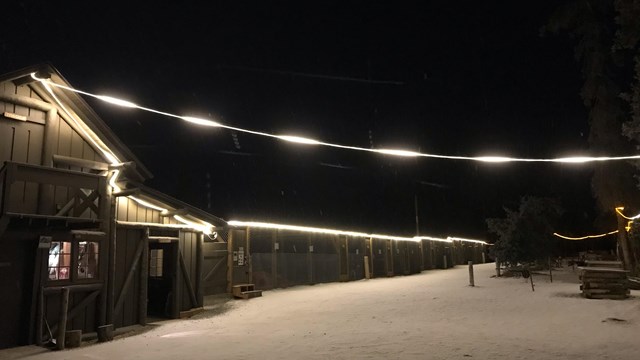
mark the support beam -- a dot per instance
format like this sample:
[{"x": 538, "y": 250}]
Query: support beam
[
  {"x": 62, "y": 327},
  {"x": 199, "y": 265},
  {"x": 144, "y": 277}
]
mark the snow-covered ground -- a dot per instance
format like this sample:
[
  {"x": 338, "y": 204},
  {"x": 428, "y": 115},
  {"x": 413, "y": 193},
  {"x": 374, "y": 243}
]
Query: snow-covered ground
[{"x": 433, "y": 315}]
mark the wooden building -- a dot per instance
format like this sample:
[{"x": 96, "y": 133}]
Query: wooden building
[
  {"x": 85, "y": 245},
  {"x": 276, "y": 256}
]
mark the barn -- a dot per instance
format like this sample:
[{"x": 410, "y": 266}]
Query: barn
[
  {"x": 86, "y": 245},
  {"x": 88, "y": 248}
]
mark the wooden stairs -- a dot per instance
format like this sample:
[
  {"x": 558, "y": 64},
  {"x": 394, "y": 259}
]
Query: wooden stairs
[{"x": 245, "y": 291}]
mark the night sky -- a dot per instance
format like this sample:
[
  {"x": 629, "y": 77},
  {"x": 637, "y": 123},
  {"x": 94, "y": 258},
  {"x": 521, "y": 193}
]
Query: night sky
[{"x": 455, "y": 78}]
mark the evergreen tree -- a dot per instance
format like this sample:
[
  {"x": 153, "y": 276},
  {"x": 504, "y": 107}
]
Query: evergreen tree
[
  {"x": 593, "y": 24},
  {"x": 525, "y": 234}
]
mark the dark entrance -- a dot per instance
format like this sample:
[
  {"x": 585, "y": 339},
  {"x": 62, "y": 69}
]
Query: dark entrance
[{"x": 162, "y": 278}]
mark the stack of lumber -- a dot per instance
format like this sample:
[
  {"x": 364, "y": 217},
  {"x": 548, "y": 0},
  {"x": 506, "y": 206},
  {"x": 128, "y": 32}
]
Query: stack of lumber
[{"x": 604, "y": 280}]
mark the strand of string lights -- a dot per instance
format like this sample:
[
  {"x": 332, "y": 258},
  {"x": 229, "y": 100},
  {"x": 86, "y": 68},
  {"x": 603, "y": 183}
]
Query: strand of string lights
[
  {"x": 619, "y": 211},
  {"x": 308, "y": 141},
  {"x": 586, "y": 237}
]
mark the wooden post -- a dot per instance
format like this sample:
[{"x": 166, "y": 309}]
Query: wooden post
[
  {"x": 274, "y": 258},
  {"x": 367, "y": 273},
  {"x": 531, "y": 279},
  {"x": 177, "y": 283},
  {"x": 40, "y": 317},
  {"x": 248, "y": 263},
  {"x": 230, "y": 262},
  {"x": 111, "y": 270},
  {"x": 550, "y": 270},
  {"x": 62, "y": 323},
  {"x": 199, "y": 264},
  {"x": 309, "y": 261},
  {"x": 484, "y": 259},
  {"x": 144, "y": 276},
  {"x": 444, "y": 259},
  {"x": 471, "y": 282},
  {"x": 497, "y": 267}
]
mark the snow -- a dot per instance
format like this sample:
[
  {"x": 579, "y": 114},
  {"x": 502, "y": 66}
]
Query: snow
[{"x": 432, "y": 315}]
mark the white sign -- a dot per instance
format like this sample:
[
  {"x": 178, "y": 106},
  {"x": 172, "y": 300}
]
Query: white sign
[{"x": 240, "y": 256}]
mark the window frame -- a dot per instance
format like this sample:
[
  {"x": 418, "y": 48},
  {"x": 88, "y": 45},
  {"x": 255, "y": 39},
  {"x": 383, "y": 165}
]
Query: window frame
[{"x": 74, "y": 265}]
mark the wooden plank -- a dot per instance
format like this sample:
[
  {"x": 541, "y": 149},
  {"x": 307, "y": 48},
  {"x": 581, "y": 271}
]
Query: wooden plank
[
  {"x": 144, "y": 276},
  {"x": 187, "y": 280},
  {"x": 64, "y": 303},
  {"x": 78, "y": 308},
  {"x": 198, "y": 269},
  {"x": 128, "y": 281}
]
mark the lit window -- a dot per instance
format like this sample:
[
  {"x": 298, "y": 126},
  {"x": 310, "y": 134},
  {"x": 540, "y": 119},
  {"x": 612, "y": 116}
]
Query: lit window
[
  {"x": 87, "y": 259},
  {"x": 59, "y": 260},
  {"x": 155, "y": 262},
  {"x": 73, "y": 260}
]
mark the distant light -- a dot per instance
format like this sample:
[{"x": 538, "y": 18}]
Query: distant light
[
  {"x": 199, "y": 121},
  {"x": 432, "y": 239},
  {"x": 394, "y": 152},
  {"x": 585, "y": 237},
  {"x": 575, "y": 160},
  {"x": 298, "y": 139},
  {"x": 119, "y": 102},
  {"x": 265, "y": 225},
  {"x": 494, "y": 159}
]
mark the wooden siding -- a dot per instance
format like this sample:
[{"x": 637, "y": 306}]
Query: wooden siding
[
  {"x": 127, "y": 241},
  {"x": 129, "y": 210},
  {"x": 214, "y": 268},
  {"x": 23, "y": 141},
  {"x": 188, "y": 249}
]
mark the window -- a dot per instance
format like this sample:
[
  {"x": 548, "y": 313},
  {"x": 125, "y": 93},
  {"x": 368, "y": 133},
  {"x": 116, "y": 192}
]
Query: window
[
  {"x": 155, "y": 262},
  {"x": 60, "y": 260},
  {"x": 87, "y": 259},
  {"x": 73, "y": 260}
]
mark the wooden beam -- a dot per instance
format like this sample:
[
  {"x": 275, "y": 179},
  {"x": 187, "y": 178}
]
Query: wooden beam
[
  {"x": 127, "y": 283},
  {"x": 77, "y": 309},
  {"x": 187, "y": 280},
  {"x": 230, "y": 262},
  {"x": 64, "y": 305},
  {"x": 127, "y": 192},
  {"x": 199, "y": 264},
  {"x": 175, "y": 285},
  {"x": 170, "y": 213},
  {"x": 86, "y": 202},
  {"x": 144, "y": 277},
  {"x": 81, "y": 163},
  {"x": 67, "y": 207}
]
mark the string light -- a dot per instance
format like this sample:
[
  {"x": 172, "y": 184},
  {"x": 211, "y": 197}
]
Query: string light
[
  {"x": 307, "y": 229},
  {"x": 301, "y": 140},
  {"x": 586, "y": 237},
  {"x": 619, "y": 211}
]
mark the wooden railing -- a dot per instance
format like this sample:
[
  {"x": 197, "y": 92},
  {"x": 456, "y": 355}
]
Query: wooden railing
[{"x": 39, "y": 191}]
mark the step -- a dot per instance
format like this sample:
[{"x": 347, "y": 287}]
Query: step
[{"x": 245, "y": 291}]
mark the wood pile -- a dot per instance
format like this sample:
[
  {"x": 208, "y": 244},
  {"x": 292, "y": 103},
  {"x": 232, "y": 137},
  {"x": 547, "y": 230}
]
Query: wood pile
[{"x": 604, "y": 280}]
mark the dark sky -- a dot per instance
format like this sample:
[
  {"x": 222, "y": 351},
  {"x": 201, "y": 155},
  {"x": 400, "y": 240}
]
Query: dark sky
[{"x": 456, "y": 78}]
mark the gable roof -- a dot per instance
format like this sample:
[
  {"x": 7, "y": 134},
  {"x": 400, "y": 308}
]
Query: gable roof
[{"x": 78, "y": 106}]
